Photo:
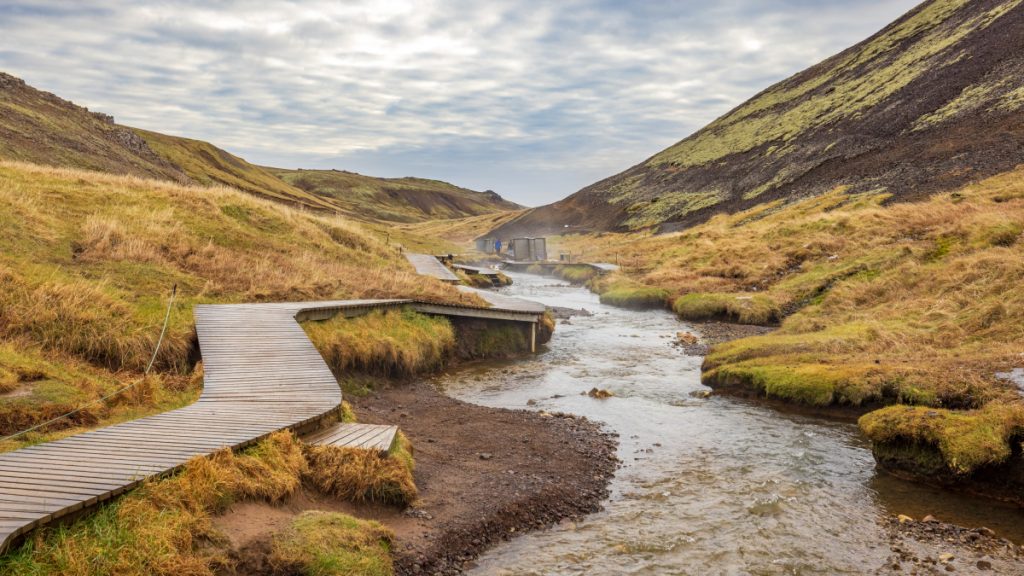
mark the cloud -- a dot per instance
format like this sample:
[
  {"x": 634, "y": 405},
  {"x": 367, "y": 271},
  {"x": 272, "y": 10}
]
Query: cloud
[{"x": 532, "y": 99}]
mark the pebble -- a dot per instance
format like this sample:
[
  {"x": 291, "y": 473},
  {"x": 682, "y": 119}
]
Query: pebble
[{"x": 485, "y": 455}]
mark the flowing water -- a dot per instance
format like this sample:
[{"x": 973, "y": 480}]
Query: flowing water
[{"x": 708, "y": 485}]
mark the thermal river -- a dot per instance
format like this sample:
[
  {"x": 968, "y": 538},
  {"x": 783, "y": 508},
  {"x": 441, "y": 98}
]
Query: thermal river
[{"x": 707, "y": 485}]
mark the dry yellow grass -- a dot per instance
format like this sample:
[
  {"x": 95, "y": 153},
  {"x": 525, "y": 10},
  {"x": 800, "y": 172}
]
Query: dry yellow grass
[
  {"x": 87, "y": 261},
  {"x": 165, "y": 528},
  {"x": 364, "y": 475},
  {"x": 391, "y": 343}
]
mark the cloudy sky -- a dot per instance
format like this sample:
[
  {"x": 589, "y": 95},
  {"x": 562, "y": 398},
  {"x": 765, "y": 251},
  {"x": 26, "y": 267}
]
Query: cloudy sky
[{"x": 531, "y": 99}]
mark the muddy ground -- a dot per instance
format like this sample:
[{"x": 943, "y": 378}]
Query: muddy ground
[{"x": 484, "y": 475}]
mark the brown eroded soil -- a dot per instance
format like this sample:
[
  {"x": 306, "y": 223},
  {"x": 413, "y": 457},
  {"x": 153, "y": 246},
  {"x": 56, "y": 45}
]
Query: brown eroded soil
[{"x": 484, "y": 475}]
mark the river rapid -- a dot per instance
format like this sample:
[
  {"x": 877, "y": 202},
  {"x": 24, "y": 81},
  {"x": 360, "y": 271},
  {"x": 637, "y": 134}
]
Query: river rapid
[{"x": 708, "y": 485}]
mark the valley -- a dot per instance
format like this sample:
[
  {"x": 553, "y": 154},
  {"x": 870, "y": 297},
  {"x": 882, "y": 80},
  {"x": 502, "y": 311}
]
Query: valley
[{"x": 790, "y": 343}]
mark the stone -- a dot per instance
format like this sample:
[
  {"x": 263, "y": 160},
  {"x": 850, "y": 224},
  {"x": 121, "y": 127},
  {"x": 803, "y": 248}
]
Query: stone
[
  {"x": 486, "y": 455},
  {"x": 904, "y": 519},
  {"x": 984, "y": 565},
  {"x": 686, "y": 338},
  {"x": 946, "y": 557},
  {"x": 929, "y": 518}
]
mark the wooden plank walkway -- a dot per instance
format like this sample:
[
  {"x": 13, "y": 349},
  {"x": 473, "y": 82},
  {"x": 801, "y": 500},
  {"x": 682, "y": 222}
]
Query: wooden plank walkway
[
  {"x": 477, "y": 270},
  {"x": 427, "y": 265},
  {"x": 262, "y": 374},
  {"x": 378, "y": 437}
]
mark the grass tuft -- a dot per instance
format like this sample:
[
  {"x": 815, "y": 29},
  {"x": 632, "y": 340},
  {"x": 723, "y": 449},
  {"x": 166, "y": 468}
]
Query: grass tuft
[
  {"x": 742, "y": 308},
  {"x": 966, "y": 440},
  {"x": 632, "y": 295},
  {"x": 391, "y": 343},
  {"x": 332, "y": 544},
  {"x": 364, "y": 475}
]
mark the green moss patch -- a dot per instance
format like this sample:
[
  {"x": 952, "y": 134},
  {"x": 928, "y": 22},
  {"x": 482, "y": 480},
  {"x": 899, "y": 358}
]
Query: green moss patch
[
  {"x": 742, "y": 308},
  {"x": 966, "y": 440},
  {"x": 631, "y": 295},
  {"x": 333, "y": 544}
]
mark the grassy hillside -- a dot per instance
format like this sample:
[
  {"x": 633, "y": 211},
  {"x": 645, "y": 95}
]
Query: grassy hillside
[
  {"x": 928, "y": 104},
  {"x": 42, "y": 128},
  {"x": 207, "y": 165},
  {"x": 460, "y": 230},
  {"x": 87, "y": 261},
  {"x": 39, "y": 127},
  {"x": 394, "y": 199},
  {"x": 916, "y": 304}
]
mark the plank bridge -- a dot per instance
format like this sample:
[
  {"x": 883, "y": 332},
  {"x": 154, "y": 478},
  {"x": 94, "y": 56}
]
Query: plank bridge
[{"x": 262, "y": 374}]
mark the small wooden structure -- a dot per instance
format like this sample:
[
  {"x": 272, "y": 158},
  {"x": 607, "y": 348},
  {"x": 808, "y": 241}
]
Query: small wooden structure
[
  {"x": 378, "y": 437},
  {"x": 427, "y": 265},
  {"x": 529, "y": 249},
  {"x": 485, "y": 245},
  {"x": 490, "y": 273}
]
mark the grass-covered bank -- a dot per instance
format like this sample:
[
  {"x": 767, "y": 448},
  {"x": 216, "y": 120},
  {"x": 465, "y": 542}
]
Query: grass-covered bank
[
  {"x": 87, "y": 261},
  {"x": 166, "y": 527},
  {"x": 911, "y": 304}
]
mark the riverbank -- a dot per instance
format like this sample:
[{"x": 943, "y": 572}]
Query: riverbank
[
  {"x": 909, "y": 313},
  {"x": 484, "y": 475},
  {"x": 928, "y": 546}
]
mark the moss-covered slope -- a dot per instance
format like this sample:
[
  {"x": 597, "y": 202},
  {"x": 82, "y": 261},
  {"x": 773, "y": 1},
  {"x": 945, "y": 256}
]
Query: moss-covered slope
[{"x": 931, "y": 102}]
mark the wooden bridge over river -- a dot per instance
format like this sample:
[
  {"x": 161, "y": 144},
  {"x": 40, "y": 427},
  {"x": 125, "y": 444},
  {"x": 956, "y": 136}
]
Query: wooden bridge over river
[{"x": 262, "y": 374}]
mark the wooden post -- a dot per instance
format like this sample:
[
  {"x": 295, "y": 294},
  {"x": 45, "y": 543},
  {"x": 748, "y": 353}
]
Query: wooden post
[{"x": 533, "y": 337}]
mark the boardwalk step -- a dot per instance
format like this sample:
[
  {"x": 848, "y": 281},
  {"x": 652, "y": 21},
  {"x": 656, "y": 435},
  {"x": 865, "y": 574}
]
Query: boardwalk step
[{"x": 380, "y": 437}]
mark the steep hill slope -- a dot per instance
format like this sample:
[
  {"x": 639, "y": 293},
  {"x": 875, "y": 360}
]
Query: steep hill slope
[
  {"x": 40, "y": 127},
  {"x": 931, "y": 102},
  {"x": 395, "y": 199}
]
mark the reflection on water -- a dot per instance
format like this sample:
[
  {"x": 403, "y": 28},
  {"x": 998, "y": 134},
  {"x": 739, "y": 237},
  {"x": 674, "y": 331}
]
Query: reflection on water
[{"x": 707, "y": 485}]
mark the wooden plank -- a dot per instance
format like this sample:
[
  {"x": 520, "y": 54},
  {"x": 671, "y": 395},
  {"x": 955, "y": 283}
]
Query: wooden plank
[{"x": 262, "y": 374}]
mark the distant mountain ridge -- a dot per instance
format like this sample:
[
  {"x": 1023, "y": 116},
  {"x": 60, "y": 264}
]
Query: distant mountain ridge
[
  {"x": 395, "y": 199},
  {"x": 932, "y": 101},
  {"x": 42, "y": 128}
]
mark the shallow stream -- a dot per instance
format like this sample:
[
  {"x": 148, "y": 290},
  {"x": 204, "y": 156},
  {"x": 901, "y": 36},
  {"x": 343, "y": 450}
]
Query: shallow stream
[{"x": 708, "y": 485}]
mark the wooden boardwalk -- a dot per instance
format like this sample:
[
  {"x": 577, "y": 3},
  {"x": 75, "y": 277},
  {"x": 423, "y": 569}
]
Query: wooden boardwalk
[
  {"x": 379, "y": 437},
  {"x": 427, "y": 265},
  {"x": 262, "y": 374},
  {"x": 476, "y": 270}
]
